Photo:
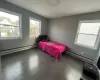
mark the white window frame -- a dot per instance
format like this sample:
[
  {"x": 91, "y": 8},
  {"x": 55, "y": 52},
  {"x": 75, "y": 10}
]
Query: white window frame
[
  {"x": 20, "y": 24},
  {"x": 98, "y": 36},
  {"x": 31, "y": 18}
]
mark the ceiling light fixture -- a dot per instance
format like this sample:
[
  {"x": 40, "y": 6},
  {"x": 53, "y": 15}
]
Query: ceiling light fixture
[{"x": 53, "y": 2}]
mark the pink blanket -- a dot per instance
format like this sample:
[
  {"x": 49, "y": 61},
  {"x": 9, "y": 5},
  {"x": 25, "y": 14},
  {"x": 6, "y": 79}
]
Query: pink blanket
[{"x": 53, "y": 48}]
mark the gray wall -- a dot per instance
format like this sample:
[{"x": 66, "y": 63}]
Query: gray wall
[
  {"x": 63, "y": 30},
  {"x": 25, "y": 41}
]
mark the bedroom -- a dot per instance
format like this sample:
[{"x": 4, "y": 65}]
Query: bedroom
[{"x": 59, "y": 20}]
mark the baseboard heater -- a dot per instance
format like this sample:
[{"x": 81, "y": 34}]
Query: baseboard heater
[
  {"x": 8, "y": 51},
  {"x": 83, "y": 58}
]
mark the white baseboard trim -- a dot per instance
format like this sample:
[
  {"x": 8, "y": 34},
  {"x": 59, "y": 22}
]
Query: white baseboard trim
[
  {"x": 85, "y": 59},
  {"x": 15, "y": 50}
]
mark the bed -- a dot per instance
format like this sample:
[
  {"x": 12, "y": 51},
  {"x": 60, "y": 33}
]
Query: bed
[{"x": 53, "y": 48}]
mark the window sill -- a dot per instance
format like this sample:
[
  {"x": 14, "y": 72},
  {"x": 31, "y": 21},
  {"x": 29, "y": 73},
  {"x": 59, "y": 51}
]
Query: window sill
[
  {"x": 10, "y": 38},
  {"x": 93, "y": 48}
]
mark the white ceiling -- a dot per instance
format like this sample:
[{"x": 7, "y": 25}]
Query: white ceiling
[{"x": 64, "y": 8}]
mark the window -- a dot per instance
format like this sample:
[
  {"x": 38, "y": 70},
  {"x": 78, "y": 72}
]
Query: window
[
  {"x": 35, "y": 26},
  {"x": 88, "y": 34},
  {"x": 9, "y": 24}
]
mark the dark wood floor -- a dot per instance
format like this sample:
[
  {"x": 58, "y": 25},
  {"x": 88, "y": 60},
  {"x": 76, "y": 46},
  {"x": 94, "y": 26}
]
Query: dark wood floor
[{"x": 34, "y": 64}]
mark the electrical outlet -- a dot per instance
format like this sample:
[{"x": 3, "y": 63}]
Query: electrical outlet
[{"x": 82, "y": 52}]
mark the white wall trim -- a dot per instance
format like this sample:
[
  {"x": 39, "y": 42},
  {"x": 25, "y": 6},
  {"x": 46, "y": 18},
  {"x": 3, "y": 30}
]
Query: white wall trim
[
  {"x": 98, "y": 36},
  {"x": 15, "y": 50},
  {"x": 31, "y": 18},
  {"x": 20, "y": 23}
]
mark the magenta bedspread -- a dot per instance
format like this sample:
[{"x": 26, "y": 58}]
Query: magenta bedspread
[{"x": 53, "y": 48}]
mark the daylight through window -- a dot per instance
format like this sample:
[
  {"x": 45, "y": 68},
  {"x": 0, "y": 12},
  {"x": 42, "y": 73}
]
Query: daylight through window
[
  {"x": 88, "y": 34},
  {"x": 35, "y": 26},
  {"x": 9, "y": 25}
]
